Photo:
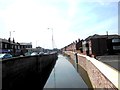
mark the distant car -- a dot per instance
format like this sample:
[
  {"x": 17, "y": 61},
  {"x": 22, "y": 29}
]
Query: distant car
[
  {"x": 27, "y": 54},
  {"x": 34, "y": 53},
  {"x": 46, "y": 53},
  {"x": 41, "y": 53},
  {"x": 5, "y": 56}
]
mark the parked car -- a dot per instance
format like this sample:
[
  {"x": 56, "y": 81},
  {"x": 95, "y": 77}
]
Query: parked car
[
  {"x": 34, "y": 53},
  {"x": 46, "y": 53},
  {"x": 41, "y": 53},
  {"x": 5, "y": 56},
  {"x": 27, "y": 54}
]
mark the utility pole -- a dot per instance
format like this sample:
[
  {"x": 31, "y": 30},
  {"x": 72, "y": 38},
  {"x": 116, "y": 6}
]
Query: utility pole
[
  {"x": 52, "y": 38},
  {"x": 36, "y": 43}
]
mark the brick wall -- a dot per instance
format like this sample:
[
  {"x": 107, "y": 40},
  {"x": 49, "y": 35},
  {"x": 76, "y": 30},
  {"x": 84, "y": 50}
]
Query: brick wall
[
  {"x": 82, "y": 62},
  {"x": 98, "y": 79}
]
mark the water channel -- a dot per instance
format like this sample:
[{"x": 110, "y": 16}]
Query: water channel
[{"x": 67, "y": 74}]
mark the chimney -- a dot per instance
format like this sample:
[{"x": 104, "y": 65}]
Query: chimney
[
  {"x": 13, "y": 40},
  {"x": 8, "y": 39},
  {"x": 79, "y": 40},
  {"x": 75, "y": 41}
]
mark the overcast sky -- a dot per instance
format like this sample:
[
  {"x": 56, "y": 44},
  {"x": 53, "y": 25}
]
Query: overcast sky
[{"x": 69, "y": 19}]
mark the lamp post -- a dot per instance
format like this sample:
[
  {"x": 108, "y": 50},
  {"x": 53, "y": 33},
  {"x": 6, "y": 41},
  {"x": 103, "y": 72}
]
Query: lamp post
[
  {"x": 37, "y": 43},
  {"x": 52, "y": 38},
  {"x": 53, "y": 48}
]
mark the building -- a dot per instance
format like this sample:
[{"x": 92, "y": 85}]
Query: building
[
  {"x": 8, "y": 46},
  {"x": 96, "y": 45},
  {"x": 102, "y": 44},
  {"x": 12, "y": 47},
  {"x": 25, "y": 45},
  {"x": 37, "y": 49},
  {"x": 70, "y": 47}
]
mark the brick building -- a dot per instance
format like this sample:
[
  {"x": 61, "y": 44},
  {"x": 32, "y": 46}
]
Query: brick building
[
  {"x": 8, "y": 46},
  {"x": 70, "y": 47},
  {"x": 79, "y": 44},
  {"x": 103, "y": 44},
  {"x": 96, "y": 45}
]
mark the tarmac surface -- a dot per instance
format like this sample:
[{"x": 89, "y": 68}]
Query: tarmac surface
[{"x": 111, "y": 60}]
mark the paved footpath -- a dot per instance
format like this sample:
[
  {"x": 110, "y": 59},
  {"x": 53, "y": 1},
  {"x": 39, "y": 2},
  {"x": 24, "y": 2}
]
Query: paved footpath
[
  {"x": 64, "y": 75},
  {"x": 111, "y": 60}
]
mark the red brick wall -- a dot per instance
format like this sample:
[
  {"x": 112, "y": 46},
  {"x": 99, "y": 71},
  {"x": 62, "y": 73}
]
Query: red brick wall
[
  {"x": 82, "y": 62},
  {"x": 98, "y": 80}
]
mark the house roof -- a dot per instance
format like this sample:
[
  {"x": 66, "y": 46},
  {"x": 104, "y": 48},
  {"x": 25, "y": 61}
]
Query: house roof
[
  {"x": 103, "y": 36},
  {"x": 4, "y": 40},
  {"x": 25, "y": 43},
  {"x": 11, "y": 42}
]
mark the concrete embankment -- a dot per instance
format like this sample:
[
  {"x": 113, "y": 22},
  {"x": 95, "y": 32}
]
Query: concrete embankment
[
  {"x": 100, "y": 74},
  {"x": 29, "y": 72}
]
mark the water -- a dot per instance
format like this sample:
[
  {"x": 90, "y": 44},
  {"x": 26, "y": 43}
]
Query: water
[
  {"x": 64, "y": 75},
  {"x": 83, "y": 73}
]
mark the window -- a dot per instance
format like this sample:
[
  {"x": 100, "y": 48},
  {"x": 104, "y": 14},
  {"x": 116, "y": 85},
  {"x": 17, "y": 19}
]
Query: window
[
  {"x": 1, "y": 45},
  {"x": 12, "y": 46},
  {"x": 116, "y": 40},
  {"x": 18, "y": 47},
  {"x": 15, "y": 47},
  {"x": 116, "y": 47},
  {"x": 5, "y": 45}
]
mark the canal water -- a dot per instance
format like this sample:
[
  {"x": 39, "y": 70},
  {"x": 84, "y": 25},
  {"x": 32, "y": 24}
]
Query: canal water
[{"x": 65, "y": 75}]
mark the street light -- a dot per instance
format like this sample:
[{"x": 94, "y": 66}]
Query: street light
[
  {"x": 53, "y": 48},
  {"x": 52, "y": 38},
  {"x": 37, "y": 43}
]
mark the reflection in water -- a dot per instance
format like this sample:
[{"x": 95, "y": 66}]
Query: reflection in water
[
  {"x": 54, "y": 78},
  {"x": 64, "y": 75},
  {"x": 83, "y": 73}
]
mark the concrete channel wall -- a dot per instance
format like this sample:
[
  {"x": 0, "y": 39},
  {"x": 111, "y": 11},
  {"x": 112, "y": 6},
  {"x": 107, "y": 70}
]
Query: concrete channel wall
[
  {"x": 27, "y": 72},
  {"x": 100, "y": 74}
]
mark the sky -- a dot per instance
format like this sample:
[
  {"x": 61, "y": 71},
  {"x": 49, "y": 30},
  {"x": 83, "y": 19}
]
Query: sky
[{"x": 70, "y": 20}]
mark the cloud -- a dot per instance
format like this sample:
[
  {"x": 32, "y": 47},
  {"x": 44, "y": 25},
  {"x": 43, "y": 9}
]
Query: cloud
[
  {"x": 30, "y": 21},
  {"x": 70, "y": 20},
  {"x": 101, "y": 1}
]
